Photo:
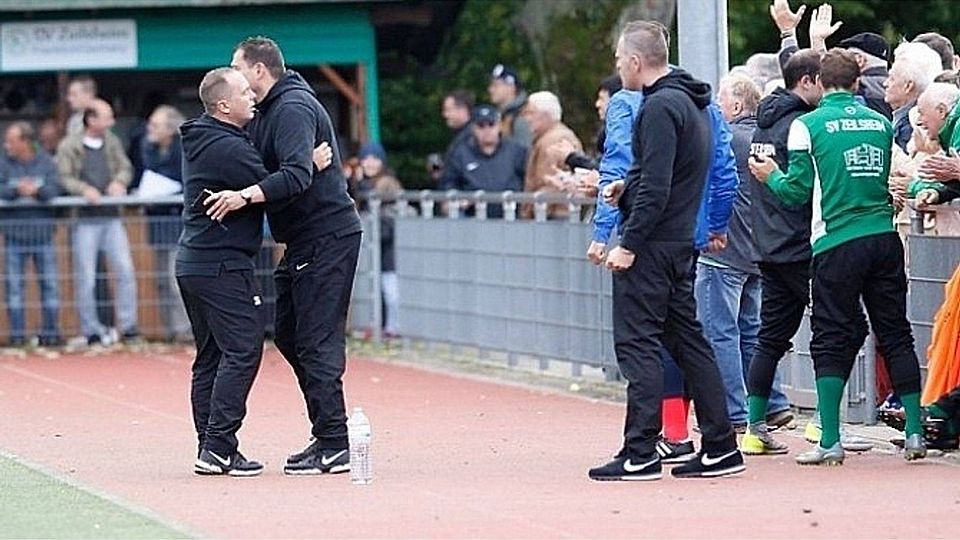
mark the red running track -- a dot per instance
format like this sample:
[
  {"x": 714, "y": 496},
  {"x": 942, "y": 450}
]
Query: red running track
[{"x": 454, "y": 457}]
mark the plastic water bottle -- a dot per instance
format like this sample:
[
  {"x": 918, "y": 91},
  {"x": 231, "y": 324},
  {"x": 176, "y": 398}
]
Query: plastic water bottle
[{"x": 360, "y": 435}]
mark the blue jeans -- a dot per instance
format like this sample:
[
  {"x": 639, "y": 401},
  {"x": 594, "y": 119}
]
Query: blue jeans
[
  {"x": 91, "y": 236},
  {"x": 728, "y": 306},
  {"x": 45, "y": 262}
]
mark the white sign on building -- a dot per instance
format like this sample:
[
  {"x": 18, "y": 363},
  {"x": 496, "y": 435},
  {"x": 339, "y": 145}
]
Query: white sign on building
[{"x": 79, "y": 44}]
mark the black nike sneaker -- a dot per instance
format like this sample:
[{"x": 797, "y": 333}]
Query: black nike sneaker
[
  {"x": 675, "y": 452},
  {"x": 322, "y": 461},
  {"x": 627, "y": 468},
  {"x": 213, "y": 464},
  {"x": 711, "y": 466},
  {"x": 311, "y": 448}
]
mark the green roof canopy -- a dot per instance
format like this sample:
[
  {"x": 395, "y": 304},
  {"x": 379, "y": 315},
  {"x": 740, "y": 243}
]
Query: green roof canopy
[
  {"x": 200, "y": 38},
  {"x": 51, "y": 5}
]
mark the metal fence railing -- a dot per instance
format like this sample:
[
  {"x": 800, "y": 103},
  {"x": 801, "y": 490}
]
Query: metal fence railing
[
  {"x": 41, "y": 267},
  {"x": 524, "y": 288},
  {"x": 511, "y": 289}
]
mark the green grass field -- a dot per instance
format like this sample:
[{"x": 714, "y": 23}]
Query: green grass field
[{"x": 36, "y": 505}]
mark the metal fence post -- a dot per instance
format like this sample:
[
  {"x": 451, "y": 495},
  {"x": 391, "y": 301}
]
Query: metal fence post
[
  {"x": 870, "y": 379},
  {"x": 480, "y": 206},
  {"x": 375, "y": 261},
  {"x": 509, "y": 206},
  {"x": 426, "y": 205}
]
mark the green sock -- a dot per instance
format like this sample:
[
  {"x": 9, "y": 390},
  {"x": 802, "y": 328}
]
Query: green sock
[
  {"x": 935, "y": 411},
  {"x": 911, "y": 406},
  {"x": 756, "y": 409},
  {"x": 829, "y": 394}
]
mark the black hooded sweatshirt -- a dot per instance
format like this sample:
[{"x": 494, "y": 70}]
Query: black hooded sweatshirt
[
  {"x": 781, "y": 233},
  {"x": 302, "y": 203},
  {"x": 672, "y": 149},
  {"x": 218, "y": 156}
]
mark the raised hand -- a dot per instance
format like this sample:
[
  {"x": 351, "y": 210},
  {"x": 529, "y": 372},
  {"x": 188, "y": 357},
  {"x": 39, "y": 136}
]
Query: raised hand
[
  {"x": 822, "y": 27},
  {"x": 785, "y": 19}
]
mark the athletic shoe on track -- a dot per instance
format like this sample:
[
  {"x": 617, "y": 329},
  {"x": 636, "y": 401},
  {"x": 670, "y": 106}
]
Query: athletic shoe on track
[
  {"x": 213, "y": 464},
  {"x": 324, "y": 461},
  {"x": 311, "y": 448},
  {"x": 822, "y": 456},
  {"x": 675, "y": 452},
  {"x": 711, "y": 466},
  {"x": 629, "y": 469},
  {"x": 756, "y": 444}
]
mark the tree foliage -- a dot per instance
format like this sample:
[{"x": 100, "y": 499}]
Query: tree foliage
[
  {"x": 751, "y": 30},
  {"x": 484, "y": 35},
  {"x": 568, "y": 50}
]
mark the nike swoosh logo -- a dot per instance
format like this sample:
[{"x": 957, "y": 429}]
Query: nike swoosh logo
[
  {"x": 224, "y": 462},
  {"x": 710, "y": 462},
  {"x": 328, "y": 460},
  {"x": 630, "y": 467},
  {"x": 302, "y": 266}
]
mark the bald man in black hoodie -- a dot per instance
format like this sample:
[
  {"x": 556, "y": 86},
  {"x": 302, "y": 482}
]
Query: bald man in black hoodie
[
  {"x": 652, "y": 288},
  {"x": 214, "y": 268},
  {"x": 309, "y": 211}
]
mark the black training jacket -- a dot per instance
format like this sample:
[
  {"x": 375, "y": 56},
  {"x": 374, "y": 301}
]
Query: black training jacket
[
  {"x": 781, "y": 232},
  {"x": 672, "y": 150},
  {"x": 302, "y": 203},
  {"x": 218, "y": 156}
]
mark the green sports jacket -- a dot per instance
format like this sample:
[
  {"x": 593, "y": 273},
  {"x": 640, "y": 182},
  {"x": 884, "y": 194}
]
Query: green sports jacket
[
  {"x": 839, "y": 159},
  {"x": 949, "y": 137}
]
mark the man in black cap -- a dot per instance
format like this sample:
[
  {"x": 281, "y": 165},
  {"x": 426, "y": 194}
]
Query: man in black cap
[
  {"x": 872, "y": 52},
  {"x": 486, "y": 160},
  {"x": 509, "y": 97}
]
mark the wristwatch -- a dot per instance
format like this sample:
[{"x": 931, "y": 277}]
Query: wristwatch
[{"x": 246, "y": 196}]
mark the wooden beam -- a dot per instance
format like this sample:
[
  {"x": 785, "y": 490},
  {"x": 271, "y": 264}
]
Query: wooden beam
[
  {"x": 341, "y": 85},
  {"x": 363, "y": 128}
]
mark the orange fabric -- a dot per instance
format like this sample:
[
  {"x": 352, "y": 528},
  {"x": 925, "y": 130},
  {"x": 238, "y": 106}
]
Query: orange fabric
[{"x": 943, "y": 355}]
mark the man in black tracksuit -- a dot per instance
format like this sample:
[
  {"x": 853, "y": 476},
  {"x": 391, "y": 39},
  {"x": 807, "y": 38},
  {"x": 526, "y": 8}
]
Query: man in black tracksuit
[
  {"x": 214, "y": 269},
  {"x": 652, "y": 287},
  {"x": 309, "y": 211}
]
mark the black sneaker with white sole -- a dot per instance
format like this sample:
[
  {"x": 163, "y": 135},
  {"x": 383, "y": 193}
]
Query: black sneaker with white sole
[
  {"x": 322, "y": 461},
  {"x": 705, "y": 465},
  {"x": 213, "y": 464},
  {"x": 675, "y": 452},
  {"x": 629, "y": 469},
  {"x": 311, "y": 448}
]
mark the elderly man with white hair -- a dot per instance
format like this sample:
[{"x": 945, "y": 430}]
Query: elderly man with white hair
[
  {"x": 544, "y": 114},
  {"x": 914, "y": 67},
  {"x": 939, "y": 108}
]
